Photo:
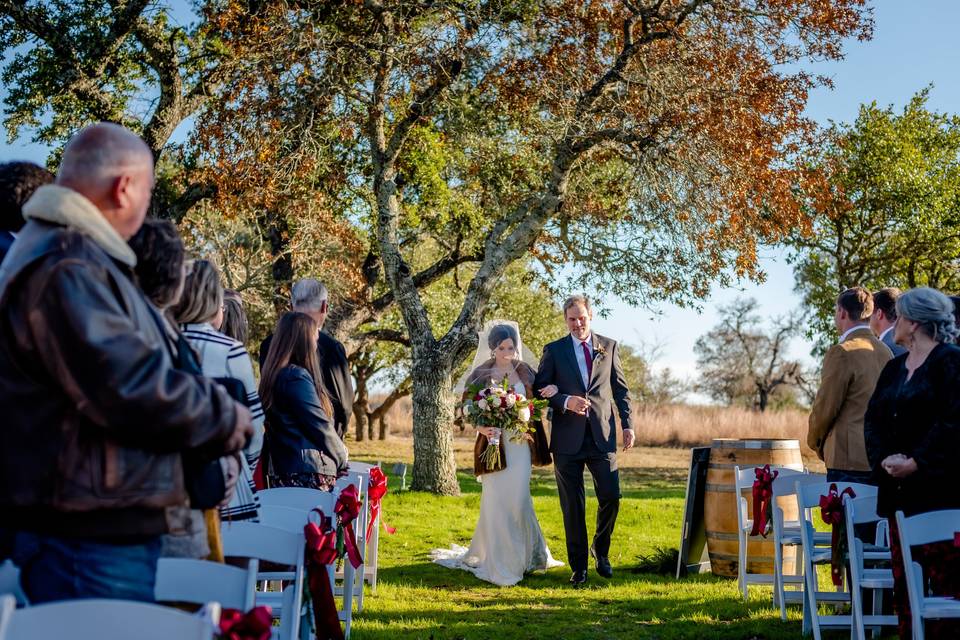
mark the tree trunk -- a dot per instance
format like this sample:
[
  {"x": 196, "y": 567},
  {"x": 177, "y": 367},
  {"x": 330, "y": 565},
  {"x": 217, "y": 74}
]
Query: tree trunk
[
  {"x": 361, "y": 403},
  {"x": 434, "y": 465},
  {"x": 370, "y": 429},
  {"x": 384, "y": 427}
]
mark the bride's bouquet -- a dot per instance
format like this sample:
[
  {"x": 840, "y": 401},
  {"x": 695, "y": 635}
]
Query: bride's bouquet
[{"x": 499, "y": 406}]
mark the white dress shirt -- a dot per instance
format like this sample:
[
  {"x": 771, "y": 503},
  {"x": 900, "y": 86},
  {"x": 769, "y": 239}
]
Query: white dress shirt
[
  {"x": 581, "y": 361},
  {"x": 847, "y": 333},
  {"x": 883, "y": 336}
]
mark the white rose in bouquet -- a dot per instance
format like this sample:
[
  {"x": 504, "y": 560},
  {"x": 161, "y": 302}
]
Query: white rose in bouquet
[
  {"x": 482, "y": 404},
  {"x": 525, "y": 414},
  {"x": 511, "y": 399}
]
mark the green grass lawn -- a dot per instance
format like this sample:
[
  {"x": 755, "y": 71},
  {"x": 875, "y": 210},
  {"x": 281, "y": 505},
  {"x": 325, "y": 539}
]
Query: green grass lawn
[{"x": 418, "y": 599}]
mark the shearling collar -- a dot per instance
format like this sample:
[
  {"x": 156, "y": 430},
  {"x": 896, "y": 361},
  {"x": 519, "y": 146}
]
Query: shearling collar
[{"x": 59, "y": 205}]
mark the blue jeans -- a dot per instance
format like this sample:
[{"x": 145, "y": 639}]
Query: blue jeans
[
  {"x": 842, "y": 475},
  {"x": 53, "y": 568}
]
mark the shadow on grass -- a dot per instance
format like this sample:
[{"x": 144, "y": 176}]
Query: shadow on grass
[
  {"x": 543, "y": 607},
  {"x": 652, "y": 484}
]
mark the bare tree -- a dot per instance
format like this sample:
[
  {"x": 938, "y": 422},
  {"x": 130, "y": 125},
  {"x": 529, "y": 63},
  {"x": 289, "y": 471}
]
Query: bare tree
[{"x": 741, "y": 361}]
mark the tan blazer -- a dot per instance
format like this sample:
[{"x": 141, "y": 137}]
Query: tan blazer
[{"x": 850, "y": 373}]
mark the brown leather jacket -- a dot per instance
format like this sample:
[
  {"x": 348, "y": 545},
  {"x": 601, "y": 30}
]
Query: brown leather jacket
[{"x": 94, "y": 414}]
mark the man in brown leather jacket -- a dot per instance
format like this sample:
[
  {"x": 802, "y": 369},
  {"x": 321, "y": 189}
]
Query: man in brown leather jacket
[{"x": 94, "y": 415}]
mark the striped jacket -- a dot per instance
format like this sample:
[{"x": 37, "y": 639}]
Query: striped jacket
[{"x": 223, "y": 357}]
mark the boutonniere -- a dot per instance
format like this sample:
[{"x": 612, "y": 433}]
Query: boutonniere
[{"x": 599, "y": 352}]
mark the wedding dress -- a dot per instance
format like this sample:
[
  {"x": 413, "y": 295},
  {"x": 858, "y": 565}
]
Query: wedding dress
[{"x": 507, "y": 542}]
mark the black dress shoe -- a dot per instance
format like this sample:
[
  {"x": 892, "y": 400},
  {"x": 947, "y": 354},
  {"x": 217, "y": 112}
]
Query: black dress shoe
[
  {"x": 579, "y": 578},
  {"x": 603, "y": 565}
]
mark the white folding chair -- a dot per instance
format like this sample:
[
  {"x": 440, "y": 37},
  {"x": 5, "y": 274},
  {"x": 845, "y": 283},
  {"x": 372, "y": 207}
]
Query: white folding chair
[
  {"x": 10, "y": 582},
  {"x": 250, "y": 540},
  {"x": 861, "y": 511},
  {"x": 109, "y": 620},
  {"x": 373, "y": 544},
  {"x": 289, "y": 508},
  {"x": 808, "y": 498},
  {"x": 924, "y": 528},
  {"x": 786, "y": 533},
  {"x": 199, "y": 581},
  {"x": 744, "y": 478},
  {"x": 362, "y": 482}
]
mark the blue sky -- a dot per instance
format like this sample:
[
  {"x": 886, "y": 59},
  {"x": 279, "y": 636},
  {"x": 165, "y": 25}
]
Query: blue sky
[{"x": 914, "y": 45}]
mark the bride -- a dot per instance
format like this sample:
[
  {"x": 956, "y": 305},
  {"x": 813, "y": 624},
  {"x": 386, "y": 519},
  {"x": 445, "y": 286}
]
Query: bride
[{"x": 508, "y": 541}]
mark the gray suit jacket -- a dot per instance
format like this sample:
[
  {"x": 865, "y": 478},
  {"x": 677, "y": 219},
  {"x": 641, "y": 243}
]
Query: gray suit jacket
[
  {"x": 895, "y": 349},
  {"x": 607, "y": 386}
]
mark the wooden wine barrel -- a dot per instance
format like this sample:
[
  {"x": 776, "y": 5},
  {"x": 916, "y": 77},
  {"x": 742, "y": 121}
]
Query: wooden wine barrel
[{"x": 720, "y": 507}]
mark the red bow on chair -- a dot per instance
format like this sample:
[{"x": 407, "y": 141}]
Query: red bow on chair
[
  {"x": 378, "y": 489},
  {"x": 252, "y": 625},
  {"x": 831, "y": 510},
  {"x": 321, "y": 551},
  {"x": 763, "y": 500},
  {"x": 347, "y": 509}
]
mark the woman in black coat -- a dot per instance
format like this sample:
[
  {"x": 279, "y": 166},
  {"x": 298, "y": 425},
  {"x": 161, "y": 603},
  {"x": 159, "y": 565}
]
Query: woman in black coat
[
  {"x": 303, "y": 446},
  {"x": 912, "y": 433}
]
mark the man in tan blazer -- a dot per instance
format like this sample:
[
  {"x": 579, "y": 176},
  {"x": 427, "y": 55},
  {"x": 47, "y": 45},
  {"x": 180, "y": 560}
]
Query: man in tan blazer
[{"x": 850, "y": 371}]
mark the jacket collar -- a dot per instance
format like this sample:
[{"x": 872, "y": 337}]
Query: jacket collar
[{"x": 66, "y": 207}]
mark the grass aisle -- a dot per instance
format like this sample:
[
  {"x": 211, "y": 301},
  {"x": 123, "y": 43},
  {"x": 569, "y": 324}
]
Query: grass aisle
[{"x": 418, "y": 599}]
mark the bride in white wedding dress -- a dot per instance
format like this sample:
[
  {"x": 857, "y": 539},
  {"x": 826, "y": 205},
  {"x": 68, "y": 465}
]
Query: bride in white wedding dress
[{"x": 507, "y": 542}]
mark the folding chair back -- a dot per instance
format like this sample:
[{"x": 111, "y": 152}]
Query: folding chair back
[
  {"x": 200, "y": 581},
  {"x": 757, "y": 555},
  {"x": 110, "y": 620},
  {"x": 863, "y": 511},
  {"x": 924, "y": 528},
  {"x": 786, "y": 536},
  {"x": 270, "y": 544},
  {"x": 808, "y": 498}
]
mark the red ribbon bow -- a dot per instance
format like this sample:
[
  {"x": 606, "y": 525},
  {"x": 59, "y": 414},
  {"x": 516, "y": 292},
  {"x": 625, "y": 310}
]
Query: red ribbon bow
[
  {"x": 763, "y": 500},
  {"x": 831, "y": 510},
  {"x": 321, "y": 551},
  {"x": 252, "y": 625},
  {"x": 378, "y": 489},
  {"x": 347, "y": 509}
]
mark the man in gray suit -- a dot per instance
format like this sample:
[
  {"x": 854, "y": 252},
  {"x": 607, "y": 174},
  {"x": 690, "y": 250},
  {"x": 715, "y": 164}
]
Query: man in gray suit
[
  {"x": 884, "y": 317},
  {"x": 586, "y": 369}
]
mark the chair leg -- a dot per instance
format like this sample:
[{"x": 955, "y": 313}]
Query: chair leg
[
  {"x": 742, "y": 566},
  {"x": 877, "y": 610}
]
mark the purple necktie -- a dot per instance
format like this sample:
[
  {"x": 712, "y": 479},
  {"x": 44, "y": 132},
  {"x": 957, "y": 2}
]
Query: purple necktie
[{"x": 589, "y": 360}]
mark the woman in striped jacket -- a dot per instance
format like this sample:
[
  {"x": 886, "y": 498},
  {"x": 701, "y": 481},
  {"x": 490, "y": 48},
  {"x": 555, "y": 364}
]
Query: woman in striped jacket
[{"x": 200, "y": 313}]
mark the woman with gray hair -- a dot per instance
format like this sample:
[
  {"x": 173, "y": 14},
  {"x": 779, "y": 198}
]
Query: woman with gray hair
[{"x": 912, "y": 432}]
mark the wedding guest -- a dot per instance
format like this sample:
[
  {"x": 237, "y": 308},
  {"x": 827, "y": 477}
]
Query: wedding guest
[
  {"x": 234, "y": 317},
  {"x": 884, "y": 316},
  {"x": 86, "y": 482},
  {"x": 305, "y": 450},
  {"x": 200, "y": 314},
  {"x": 913, "y": 433},
  {"x": 310, "y": 296},
  {"x": 18, "y": 181},
  {"x": 850, "y": 371},
  {"x": 161, "y": 272}
]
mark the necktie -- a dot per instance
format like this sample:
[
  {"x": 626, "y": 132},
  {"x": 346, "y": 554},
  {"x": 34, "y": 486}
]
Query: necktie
[{"x": 589, "y": 360}]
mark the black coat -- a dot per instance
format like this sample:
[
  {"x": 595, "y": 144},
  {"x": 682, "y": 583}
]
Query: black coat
[
  {"x": 335, "y": 370},
  {"x": 300, "y": 434},
  {"x": 607, "y": 392},
  {"x": 919, "y": 418}
]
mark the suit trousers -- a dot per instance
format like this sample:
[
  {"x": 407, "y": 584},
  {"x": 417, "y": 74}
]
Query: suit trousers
[{"x": 568, "y": 470}]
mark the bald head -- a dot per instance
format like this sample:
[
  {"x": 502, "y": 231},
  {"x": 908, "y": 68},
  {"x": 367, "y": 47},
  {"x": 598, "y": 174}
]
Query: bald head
[{"x": 113, "y": 168}]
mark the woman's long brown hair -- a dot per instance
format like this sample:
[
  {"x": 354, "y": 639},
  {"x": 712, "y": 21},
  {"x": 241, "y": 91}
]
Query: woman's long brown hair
[{"x": 294, "y": 342}]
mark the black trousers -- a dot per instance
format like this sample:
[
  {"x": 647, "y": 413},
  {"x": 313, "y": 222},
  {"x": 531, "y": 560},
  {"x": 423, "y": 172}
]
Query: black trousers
[{"x": 568, "y": 470}]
